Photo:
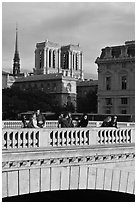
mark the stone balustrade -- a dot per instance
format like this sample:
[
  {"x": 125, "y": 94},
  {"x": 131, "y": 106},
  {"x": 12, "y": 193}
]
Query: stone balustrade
[
  {"x": 44, "y": 137},
  {"x": 54, "y": 124}
]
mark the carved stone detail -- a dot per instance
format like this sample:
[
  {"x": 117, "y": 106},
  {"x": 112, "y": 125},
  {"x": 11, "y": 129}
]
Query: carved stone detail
[{"x": 67, "y": 161}]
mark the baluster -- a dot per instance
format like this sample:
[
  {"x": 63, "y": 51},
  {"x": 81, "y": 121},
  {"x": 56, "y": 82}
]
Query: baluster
[
  {"x": 125, "y": 136},
  {"x": 77, "y": 137},
  {"x": 18, "y": 139},
  {"x": 110, "y": 137},
  {"x": 81, "y": 137},
  {"x": 62, "y": 135},
  {"x": 68, "y": 136},
  {"x": 54, "y": 139},
  {"x": 129, "y": 136},
  {"x": 4, "y": 142},
  {"x": 86, "y": 138},
  {"x": 35, "y": 140},
  {"x": 99, "y": 137},
  {"x": 102, "y": 136},
  {"x": 59, "y": 140},
  {"x": 117, "y": 136},
  {"x": 23, "y": 138},
  {"x": 72, "y": 138},
  {"x": 13, "y": 140},
  {"x": 9, "y": 140}
]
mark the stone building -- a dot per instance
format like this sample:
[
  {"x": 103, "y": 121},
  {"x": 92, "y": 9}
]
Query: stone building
[
  {"x": 86, "y": 86},
  {"x": 116, "y": 79},
  {"x": 7, "y": 80},
  {"x": 50, "y": 57},
  {"x": 61, "y": 89}
]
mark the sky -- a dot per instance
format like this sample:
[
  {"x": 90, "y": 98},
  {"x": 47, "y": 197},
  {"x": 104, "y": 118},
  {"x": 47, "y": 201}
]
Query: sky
[{"x": 92, "y": 25}]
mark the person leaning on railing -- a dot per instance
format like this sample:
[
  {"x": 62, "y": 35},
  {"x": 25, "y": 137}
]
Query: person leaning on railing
[
  {"x": 114, "y": 122},
  {"x": 40, "y": 119},
  {"x": 33, "y": 122},
  {"x": 107, "y": 122},
  {"x": 84, "y": 121}
]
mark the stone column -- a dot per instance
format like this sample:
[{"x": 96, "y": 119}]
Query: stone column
[
  {"x": 81, "y": 71},
  {"x": 69, "y": 65},
  {"x": 47, "y": 60},
  {"x": 59, "y": 56},
  {"x": 51, "y": 58},
  {"x": 74, "y": 61}
]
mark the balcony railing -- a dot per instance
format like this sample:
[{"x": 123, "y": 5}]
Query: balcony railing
[{"x": 62, "y": 137}]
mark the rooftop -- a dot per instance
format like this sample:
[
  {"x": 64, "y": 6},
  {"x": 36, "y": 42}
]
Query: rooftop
[{"x": 43, "y": 77}]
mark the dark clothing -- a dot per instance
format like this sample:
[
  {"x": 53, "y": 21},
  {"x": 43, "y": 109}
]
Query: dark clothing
[
  {"x": 30, "y": 124},
  {"x": 65, "y": 122},
  {"x": 114, "y": 124},
  {"x": 40, "y": 120},
  {"x": 24, "y": 122},
  {"x": 106, "y": 124},
  {"x": 60, "y": 122},
  {"x": 70, "y": 122},
  {"x": 83, "y": 123}
]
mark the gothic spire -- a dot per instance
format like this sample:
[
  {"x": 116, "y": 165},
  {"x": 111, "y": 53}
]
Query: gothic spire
[{"x": 16, "y": 60}]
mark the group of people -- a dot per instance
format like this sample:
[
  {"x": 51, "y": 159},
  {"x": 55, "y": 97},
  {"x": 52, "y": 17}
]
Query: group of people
[
  {"x": 65, "y": 120},
  {"x": 37, "y": 120},
  {"x": 110, "y": 122}
]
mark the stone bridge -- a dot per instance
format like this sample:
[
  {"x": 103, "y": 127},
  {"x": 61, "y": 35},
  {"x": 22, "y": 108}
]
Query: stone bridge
[{"x": 37, "y": 160}]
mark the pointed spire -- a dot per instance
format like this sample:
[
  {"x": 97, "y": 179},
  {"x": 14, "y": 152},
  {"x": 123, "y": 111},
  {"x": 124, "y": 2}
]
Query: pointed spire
[
  {"x": 16, "y": 60},
  {"x": 16, "y": 43}
]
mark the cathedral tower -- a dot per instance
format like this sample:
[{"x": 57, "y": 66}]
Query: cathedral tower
[{"x": 16, "y": 60}]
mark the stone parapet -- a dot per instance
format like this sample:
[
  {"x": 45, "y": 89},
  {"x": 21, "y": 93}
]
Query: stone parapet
[{"x": 35, "y": 138}]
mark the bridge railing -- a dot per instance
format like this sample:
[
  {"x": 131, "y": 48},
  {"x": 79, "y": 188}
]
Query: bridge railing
[
  {"x": 34, "y": 138},
  {"x": 54, "y": 124}
]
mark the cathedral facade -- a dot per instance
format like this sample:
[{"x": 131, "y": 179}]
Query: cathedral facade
[{"x": 50, "y": 57}]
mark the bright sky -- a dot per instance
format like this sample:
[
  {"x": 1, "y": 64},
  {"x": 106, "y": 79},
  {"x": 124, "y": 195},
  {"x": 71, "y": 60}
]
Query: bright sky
[{"x": 92, "y": 25}]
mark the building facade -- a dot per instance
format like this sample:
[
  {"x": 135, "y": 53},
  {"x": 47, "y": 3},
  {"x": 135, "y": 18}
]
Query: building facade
[
  {"x": 7, "y": 80},
  {"x": 61, "y": 89},
  {"x": 86, "y": 86},
  {"x": 116, "y": 79},
  {"x": 50, "y": 57}
]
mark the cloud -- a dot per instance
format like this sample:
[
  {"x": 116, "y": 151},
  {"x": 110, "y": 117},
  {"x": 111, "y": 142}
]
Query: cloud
[{"x": 93, "y": 25}]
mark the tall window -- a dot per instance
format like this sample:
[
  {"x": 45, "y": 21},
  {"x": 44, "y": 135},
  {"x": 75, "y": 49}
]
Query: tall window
[
  {"x": 73, "y": 61},
  {"x": 124, "y": 101},
  {"x": 54, "y": 59},
  {"x": 108, "y": 83},
  {"x": 124, "y": 82},
  {"x": 49, "y": 58},
  {"x": 76, "y": 61},
  {"x": 108, "y": 101},
  {"x": 40, "y": 58}
]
